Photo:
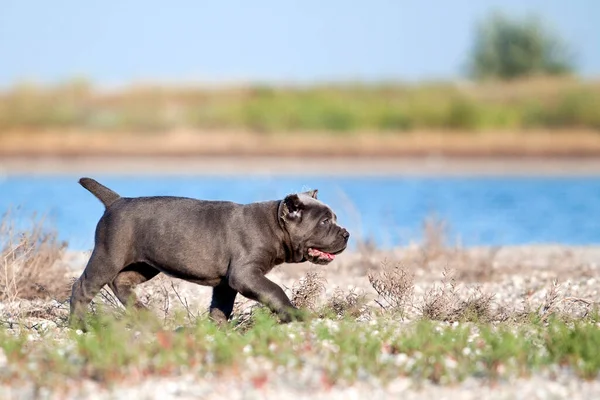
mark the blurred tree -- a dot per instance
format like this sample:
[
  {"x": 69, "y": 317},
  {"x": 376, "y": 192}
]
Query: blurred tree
[{"x": 507, "y": 48}]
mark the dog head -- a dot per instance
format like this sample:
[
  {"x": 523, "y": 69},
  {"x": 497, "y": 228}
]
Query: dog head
[{"x": 312, "y": 227}]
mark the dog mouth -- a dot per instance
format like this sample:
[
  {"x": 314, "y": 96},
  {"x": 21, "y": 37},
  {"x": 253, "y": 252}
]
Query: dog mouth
[{"x": 317, "y": 256}]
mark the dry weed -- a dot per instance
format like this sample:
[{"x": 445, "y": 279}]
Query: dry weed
[
  {"x": 444, "y": 303},
  {"x": 349, "y": 303},
  {"x": 306, "y": 292},
  {"x": 107, "y": 302},
  {"x": 30, "y": 262},
  {"x": 555, "y": 304},
  {"x": 440, "y": 302},
  {"x": 434, "y": 239},
  {"x": 551, "y": 300},
  {"x": 243, "y": 314},
  {"x": 395, "y": 287},
  {"x": 478, "y": 307}
]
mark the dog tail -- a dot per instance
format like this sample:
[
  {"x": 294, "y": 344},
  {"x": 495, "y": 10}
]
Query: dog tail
[{"x": 104, "y": 194}]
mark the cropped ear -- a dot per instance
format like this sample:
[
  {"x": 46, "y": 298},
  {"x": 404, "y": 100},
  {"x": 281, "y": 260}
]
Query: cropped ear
[
  {"x": 312, "y": 193},
  {"x": 292, "y": 207}
]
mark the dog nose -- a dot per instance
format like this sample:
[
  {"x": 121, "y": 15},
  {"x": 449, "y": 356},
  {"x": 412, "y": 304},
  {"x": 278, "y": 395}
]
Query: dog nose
[{"x": 345, "y": 234}]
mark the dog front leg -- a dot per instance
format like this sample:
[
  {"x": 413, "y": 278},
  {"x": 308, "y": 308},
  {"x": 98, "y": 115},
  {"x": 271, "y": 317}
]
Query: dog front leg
[
  {"x": 221, "y": 305},
  {"x": 251, "y": 283}
]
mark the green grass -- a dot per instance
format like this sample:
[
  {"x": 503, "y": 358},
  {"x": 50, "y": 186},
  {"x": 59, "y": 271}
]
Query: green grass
[
  {"x": 343, "y": 350},
  {"x": 343, "y": 108}
]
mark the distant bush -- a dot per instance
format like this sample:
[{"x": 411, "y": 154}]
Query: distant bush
[
  {"x": 518, "y": 105},
  {"x": 508, "y": 48}
]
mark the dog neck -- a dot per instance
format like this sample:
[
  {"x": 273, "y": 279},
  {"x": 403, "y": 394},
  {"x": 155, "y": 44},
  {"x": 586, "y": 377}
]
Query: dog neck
[{"x": 291, "y": 254}]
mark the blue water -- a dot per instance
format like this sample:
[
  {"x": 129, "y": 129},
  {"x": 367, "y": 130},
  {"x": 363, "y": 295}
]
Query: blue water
[{"x": 480, "y": 211}]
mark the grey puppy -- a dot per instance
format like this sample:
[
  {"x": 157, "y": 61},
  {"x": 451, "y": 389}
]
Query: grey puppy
[{"x": 225, "y": 245}]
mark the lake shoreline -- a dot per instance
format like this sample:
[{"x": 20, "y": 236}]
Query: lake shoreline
[{"x": 435, "y": 166}]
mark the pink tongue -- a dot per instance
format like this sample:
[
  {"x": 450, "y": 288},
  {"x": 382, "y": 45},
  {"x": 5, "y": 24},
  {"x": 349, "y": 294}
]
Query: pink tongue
[{"x": 321, "y": 254}]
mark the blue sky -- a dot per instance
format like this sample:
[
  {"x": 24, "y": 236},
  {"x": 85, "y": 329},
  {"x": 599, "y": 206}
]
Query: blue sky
[{"x": 120, "y": 41}]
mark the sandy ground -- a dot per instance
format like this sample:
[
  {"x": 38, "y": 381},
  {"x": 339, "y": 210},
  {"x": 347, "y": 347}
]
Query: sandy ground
[
  {"x": 322, "y": 166},
  {"x": 509, "y": 272},
  {"x": 556, "y": 143}
]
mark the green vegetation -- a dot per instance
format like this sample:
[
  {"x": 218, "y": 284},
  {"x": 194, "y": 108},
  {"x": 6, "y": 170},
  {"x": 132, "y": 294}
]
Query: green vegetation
[
  {"x": 343, "y": 350},
  {"x": 509, "y": 48},
  {"x": 515, "y": 106}
]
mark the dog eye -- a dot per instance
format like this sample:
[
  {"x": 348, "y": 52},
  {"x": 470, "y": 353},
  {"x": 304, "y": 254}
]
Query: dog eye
[{"x": 325, "y": 221}]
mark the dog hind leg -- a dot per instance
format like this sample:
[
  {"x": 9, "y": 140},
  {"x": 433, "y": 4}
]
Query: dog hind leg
[
  {"x": 100, "y": 270},
  {"x": 125, "y": 282}
]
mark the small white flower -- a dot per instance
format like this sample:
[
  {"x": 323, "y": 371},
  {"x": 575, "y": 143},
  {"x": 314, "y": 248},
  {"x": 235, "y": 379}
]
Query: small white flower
[
  {"x": 3, "y": 359},
  {"x": 401, "y": 358}
]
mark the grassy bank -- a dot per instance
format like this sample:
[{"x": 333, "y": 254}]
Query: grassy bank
[{"x": 517, "y": 106}]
